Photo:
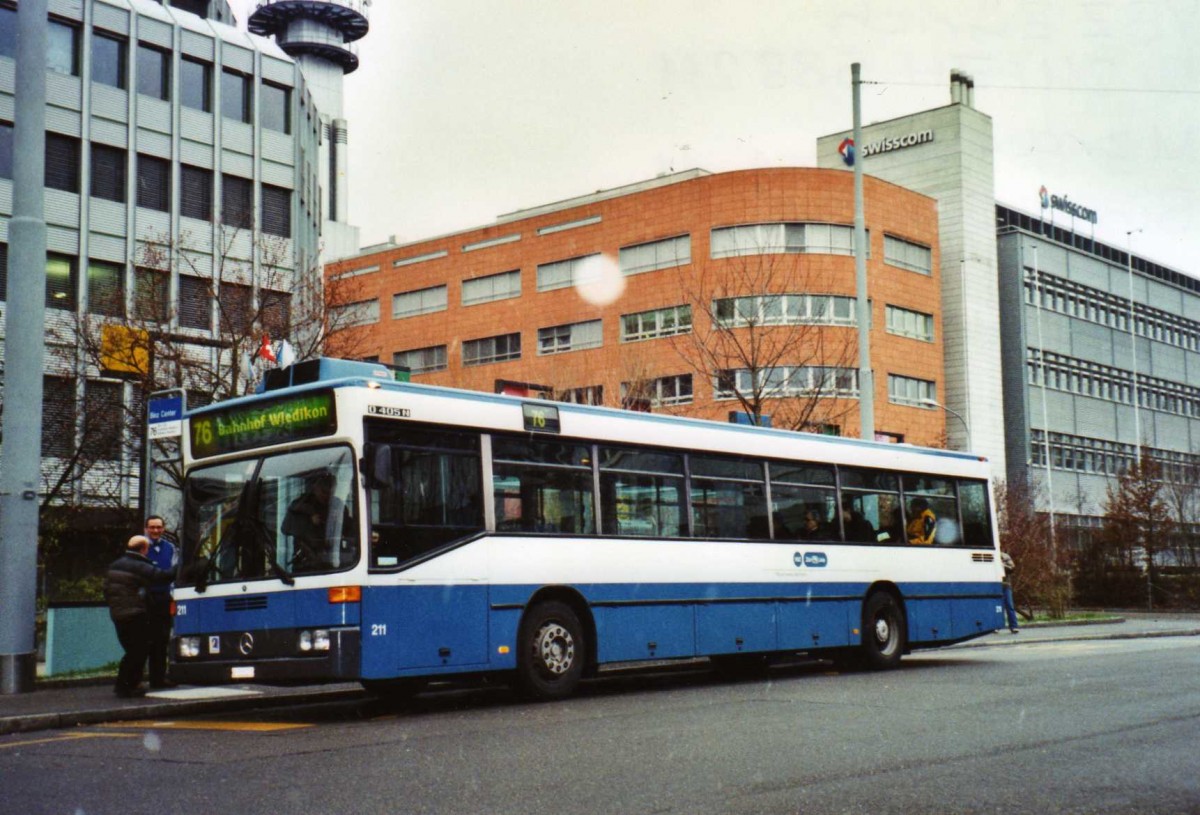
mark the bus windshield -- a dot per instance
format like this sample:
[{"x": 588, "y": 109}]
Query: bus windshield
[{"x": 274, "y": 516}]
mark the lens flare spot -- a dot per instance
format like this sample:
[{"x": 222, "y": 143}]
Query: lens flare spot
[{"x": 599, "y": 281}]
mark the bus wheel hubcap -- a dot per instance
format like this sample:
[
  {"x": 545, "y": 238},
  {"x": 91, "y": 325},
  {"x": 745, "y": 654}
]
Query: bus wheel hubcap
[
  {"x": 556, "y": 647},
  {"x": 883, "y": 632}
]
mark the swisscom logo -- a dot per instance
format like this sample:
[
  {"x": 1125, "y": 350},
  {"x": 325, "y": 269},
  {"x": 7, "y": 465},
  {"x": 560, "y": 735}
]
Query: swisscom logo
[{"x": 813, "y": 560}]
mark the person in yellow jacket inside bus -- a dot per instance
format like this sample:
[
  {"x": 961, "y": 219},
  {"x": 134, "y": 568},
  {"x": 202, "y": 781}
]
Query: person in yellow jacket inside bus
[{"x": 921, "y": 524}]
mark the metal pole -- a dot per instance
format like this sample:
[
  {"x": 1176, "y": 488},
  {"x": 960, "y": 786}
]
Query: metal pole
[
  {"x": 866, "y": 378},
  {"x": 1037, "y": 299},
  {"x": 966, "y": 426},
  {"x": 1137, "y": 420},
  {"x": 24, "y": 347}
]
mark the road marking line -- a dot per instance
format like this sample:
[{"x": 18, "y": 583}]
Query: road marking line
[
  {"x": 70, "y": 737},
  {"x": 247, "y": 727}
]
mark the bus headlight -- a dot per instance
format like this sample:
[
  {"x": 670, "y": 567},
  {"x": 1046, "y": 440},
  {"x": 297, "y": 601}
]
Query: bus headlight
[
  {"x": 316, "y": 640},
  {"x": 189, "y": 646}
]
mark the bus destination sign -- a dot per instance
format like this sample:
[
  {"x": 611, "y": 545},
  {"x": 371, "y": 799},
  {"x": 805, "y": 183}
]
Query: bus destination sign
[
  {"x": 540, "y": 418},
  {"x": 242, "y": 427}
]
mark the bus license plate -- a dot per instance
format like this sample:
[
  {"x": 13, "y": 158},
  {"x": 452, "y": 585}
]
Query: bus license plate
[{"x": 241, "y": 672}]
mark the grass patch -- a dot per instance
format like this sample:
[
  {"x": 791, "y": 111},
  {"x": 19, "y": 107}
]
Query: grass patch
[{"x": 1073, "y": 617}]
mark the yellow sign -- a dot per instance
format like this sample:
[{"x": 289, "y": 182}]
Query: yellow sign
[{"x": 124, "y": 350}]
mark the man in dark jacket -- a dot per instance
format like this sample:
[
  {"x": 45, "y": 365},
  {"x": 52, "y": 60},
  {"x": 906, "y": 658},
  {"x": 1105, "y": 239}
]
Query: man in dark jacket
[{"x": 129, "y": 579}]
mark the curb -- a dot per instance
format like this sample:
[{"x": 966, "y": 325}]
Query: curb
[{"x": 158, "y": 710}]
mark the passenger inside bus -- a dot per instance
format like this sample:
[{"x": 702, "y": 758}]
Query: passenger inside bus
[
  {"x": 858, "y": 529},
  {"x": 922, "y": 523},
  {"x": 312, "y": 521}
]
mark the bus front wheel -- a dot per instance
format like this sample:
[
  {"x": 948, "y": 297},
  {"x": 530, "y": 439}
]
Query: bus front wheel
[
  {"x": 883, "y": 632},
  {"x": 550, "y": 652}
]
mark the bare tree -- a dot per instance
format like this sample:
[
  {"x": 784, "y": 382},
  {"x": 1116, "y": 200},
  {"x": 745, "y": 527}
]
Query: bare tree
[
  {"x": 1042, "y": 577},
  {"x": 770, "y": 338},
  {"x": 1137, "y": 520},
  {"x": 205, "y": 341}
]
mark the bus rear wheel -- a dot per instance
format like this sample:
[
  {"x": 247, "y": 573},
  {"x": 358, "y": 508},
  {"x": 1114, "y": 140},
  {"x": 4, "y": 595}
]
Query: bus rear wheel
[
  {"x": 551, "y": 652},
  {"x": 883, "y": 632}
]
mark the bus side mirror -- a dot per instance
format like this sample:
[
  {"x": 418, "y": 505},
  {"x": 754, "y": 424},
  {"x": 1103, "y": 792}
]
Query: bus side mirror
[{"x": 377, "y": 466}]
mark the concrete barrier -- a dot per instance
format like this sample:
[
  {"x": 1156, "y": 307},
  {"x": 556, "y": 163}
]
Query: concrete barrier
[{"x": 79, "y": 637}]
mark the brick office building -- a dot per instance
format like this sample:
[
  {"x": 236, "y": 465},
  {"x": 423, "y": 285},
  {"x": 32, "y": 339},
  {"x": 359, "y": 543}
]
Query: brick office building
[{"x": 603, "y": 299}]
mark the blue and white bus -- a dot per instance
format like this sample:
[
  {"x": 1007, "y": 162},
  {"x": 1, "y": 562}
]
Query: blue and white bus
[{"x": 348, "y": 526}]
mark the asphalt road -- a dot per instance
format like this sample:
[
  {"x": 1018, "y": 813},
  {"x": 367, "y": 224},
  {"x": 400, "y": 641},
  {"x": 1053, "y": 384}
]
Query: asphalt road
[{"x": 1066, "y": 727}]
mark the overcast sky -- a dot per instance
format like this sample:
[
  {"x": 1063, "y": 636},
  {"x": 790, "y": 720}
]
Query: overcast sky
[{"x": 466, "y": 109}]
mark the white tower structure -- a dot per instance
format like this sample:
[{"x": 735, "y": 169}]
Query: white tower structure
[{"x": 320, "y": 36}]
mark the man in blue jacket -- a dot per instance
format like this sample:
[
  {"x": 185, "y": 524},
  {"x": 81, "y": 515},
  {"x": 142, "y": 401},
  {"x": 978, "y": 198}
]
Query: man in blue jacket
[{"x": 158, "y": 600}]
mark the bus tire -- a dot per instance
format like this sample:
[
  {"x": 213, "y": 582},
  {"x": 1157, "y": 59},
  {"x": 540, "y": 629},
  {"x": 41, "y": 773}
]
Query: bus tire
[
  {"x": 884, "y": 632},
  {"x": 551, "y": 652}
]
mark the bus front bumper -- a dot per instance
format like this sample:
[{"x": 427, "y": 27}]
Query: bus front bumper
[{"x": 266, "y": 657}]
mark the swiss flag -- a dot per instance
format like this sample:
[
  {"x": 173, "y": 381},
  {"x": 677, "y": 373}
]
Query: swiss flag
[{"x": 266, "y": 351}]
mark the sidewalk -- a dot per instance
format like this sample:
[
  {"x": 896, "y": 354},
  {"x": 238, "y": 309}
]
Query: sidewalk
[{"x": 69, "y": 703}]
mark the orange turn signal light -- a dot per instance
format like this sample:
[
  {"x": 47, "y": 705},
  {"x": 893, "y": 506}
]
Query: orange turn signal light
[
  {"x": 345, "y": 594},
  {"x": 172, "y": 608}
]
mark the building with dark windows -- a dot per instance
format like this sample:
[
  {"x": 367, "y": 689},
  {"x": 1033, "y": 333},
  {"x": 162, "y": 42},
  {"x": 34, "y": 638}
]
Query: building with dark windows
[
  {"x": 187, "y": 190},
  {"x": 722, "y": 296},
  {"x": 1101, "y": 357}
]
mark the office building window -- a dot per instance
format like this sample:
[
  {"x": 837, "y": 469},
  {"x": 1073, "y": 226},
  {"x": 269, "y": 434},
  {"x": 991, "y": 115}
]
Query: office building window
[
  {"x": 3, "y": 257},
  {"x": 153, "y": 183},
  {"x": 104, "y": 409},
  {"x": 60, "y": 281},
  {"x": 275, "y": 107},
  {"x": 661, "y": 254},
  {"x": 108, "y": 59},
  {"x": 662, "y": 322},
  {"x": 422, "y": 360},
  {"x": 6, "y": 150},
  {"x": 907, "y": 255},
  {"x": 783, "y": 238},
  {"x": 785, "y": 309},
  {"x": 58, "y": 416},
  {"x": 237, "y": 202},
  {"x": 364, "y": 312},
  {"x": 236, "y": 305},
  {"x": 563, "y": 273},
  {"x": 195, "y": 84},
  {"x": 907, "y": 390},
  {"x": 491, "y": 349},
  {"x": 197, "y": 7},
  {"x": 422, "y": 301},
  {"x": 62, "y": 48},
  {"x": 781, "y": 381},
  {"x": 8, "y": 32},
  {"x": 195, "y": 192},
  {"x": 151, "y": 295},
  {"x": 493, "y": 287},
  {"x": 106, "y": 289},
  {"x": 275, "y": 309},
  {"x": 153, "y": 71},
  {"x": 235, "y": 95},
  {"x": 663, "y": 391},
  {"x": 62, "y": 162},
  {"x": 586, "y": 395},
  {"x": 573, "y": 337},
  {"x": 108, "y": 172},
  {"x": 276, "y": 211},
  {"x": 906, "y": 323},
  {"x": 195, "y": 303}
]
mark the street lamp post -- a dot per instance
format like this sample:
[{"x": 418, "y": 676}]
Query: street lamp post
[{"x": 933, "y": 403}]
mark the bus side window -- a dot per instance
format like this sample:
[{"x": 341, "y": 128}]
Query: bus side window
[{"x": 977, "y": 525}]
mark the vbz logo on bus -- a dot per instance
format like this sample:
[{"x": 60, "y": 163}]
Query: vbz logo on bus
[{"x": 815, "y": 560}]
